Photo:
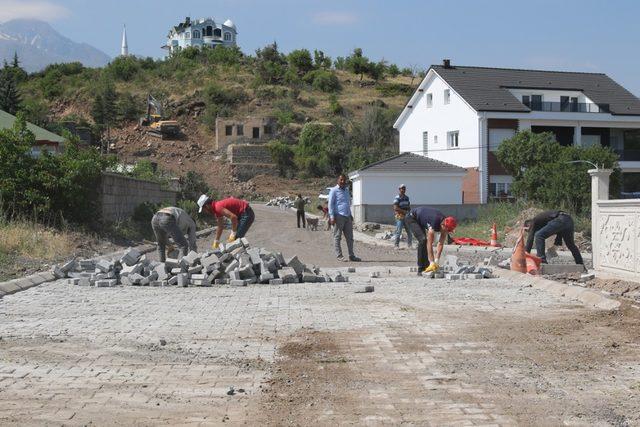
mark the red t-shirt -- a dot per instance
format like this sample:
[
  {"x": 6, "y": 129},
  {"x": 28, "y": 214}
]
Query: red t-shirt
[{"x": 235, "y": 206}]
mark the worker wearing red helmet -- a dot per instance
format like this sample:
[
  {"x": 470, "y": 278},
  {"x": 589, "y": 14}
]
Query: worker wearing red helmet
[{"x": 424, "y": 222}]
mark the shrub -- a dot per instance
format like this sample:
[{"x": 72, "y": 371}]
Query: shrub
[
  {"x": 123, "y": 68},
  {"x": 282, "y": 154},
  {"x": 35, "y": 111},
  {"x": 129, "y": 108},
  {"x": 66, "y": 69},
  {"x": 269, "y": 93},
  {"x": 192, "y": 185},
  {"x": 323, "y": 80},
  {"x": 394, "y": 89},
  {"x": 300, "y": 60},
  {"x": 334, "y": 106},
  {"x": 223, "y": 55},
  {"x": 51, "y": 84},
  {"x": 216, "y": 94}
]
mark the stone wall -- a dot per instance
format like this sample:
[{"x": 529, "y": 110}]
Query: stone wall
[
  {"x": 120, "y": 195},
  {"x": 241, "y": 153},
  {"x": 615, "y": 229},
  {"x": 383, "y": 214},
  {"x": 244, "y": 130}
]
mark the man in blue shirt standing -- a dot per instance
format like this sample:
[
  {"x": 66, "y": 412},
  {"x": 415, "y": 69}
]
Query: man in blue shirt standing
[
  {"x": 401, "y": 207},
  {"x": 340, "y": 217}
]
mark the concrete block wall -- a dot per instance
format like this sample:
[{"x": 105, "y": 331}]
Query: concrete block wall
[
  {"x": 252, "y": 153},
  {"x": 121, "y": 195}
]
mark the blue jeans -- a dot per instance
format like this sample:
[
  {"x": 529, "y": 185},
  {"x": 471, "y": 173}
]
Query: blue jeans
[
  {"x": 400, "y": 224},
  {"x": 562, "y": 226}
]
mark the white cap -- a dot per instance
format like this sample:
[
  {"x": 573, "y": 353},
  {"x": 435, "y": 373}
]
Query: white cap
[
  {"x": 202, "y": 201},
  {"x": 402, "y": 186}
]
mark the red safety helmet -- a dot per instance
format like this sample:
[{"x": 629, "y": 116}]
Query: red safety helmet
[{"x": 450, "y": 223}]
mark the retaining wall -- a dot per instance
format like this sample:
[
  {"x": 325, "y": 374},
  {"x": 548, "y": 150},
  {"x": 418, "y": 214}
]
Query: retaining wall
[{"x": 120, "y": 195}]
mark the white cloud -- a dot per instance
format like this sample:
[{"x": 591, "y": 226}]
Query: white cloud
[
  {"x": 31, "y": 9},
  {"x": 334, "y": 18}
]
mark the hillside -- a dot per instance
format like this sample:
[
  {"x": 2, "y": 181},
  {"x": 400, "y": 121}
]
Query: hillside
[{"x": 195, "y": 87}]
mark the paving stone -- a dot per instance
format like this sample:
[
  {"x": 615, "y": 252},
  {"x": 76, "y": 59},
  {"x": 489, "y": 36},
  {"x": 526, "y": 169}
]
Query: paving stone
[
  {"x": 233, "y": 266},
  {"x": 195, "y": 269},
  {"x": 209, "y": 260},
  {"x": 131, "y": 269},
  {"x": 246, "y": 272},
  {"x": 254, "y": 254},
  {"x": 276, "y": 282},
  {"x": 237, "y": 282},
  {"x": 221, "y": 281},
  {"x": 183, "y": 279},
  {"x": 351, "y": 270},
  {"x": 280, "y": 259},
  {"x": 236, "y": 244},
  {"x": 546, "y": 269},
  {"x": 192, "y": 258},
  {"x": 68, "y": 266},
  {"x": 374, "y": 274},
  {"x": 104, "y": 265},
  {"x": 198, "y": 276},
  {"x": 310, "y": 278},
  {"x": 237, "y": 251},
  {"x": 172, "y": 263},
  {"x": 158, "y": 283},
  {"x": 161, "y": 271},
  {"x": 296, "y": 264},
  {"x": 173, "y": 281},
  {"x": 73, "y": 281},
  {"x": 87, "y": 265},
  {"x": 58, "y": 273},
  {"x": 288, "y": 275},
  {"x": 452, "y": 277},
  {"x": 106, "y": 283},
  {"x": 245, "y": 242},
  {"x": 131, "y": 256},
  {"x": 234, "y": 275}
]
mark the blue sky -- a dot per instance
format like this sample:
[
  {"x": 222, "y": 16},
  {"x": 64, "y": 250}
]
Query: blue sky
[{"x": 577, "y": 35}]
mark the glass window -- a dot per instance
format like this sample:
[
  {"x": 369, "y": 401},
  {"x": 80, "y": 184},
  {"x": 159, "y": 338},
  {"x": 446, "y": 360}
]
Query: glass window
[
  {"x": 429, "y": 100},
  {"x": 447, "y": 96},
  {"x": 228, "y": 130},
  {"x": 239, "y": 130},
  {"x": 425, "y": 142},
  {"x": 196, "y": 34},
  {"x": 452, "y": 139},
  {"x": 256, "y": 133},
  {"x": 227, "y": 37}
]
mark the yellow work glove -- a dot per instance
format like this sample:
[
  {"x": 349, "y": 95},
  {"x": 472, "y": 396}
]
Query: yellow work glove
[
  {"x": 215, "y": 244},
  {"x": 232, "y": 237},
  {"x": 433, "y": 267}
]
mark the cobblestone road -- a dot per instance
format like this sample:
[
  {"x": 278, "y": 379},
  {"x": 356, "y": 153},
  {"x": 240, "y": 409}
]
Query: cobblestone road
[{"x": 414, "y": 351}]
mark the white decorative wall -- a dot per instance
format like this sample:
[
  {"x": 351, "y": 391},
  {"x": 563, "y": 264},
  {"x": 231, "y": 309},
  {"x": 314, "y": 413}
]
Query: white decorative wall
[{"x": 615, "y": 230}]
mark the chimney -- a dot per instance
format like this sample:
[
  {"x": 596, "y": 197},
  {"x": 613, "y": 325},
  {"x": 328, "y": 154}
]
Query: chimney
[{"x": 446, "y": 63}]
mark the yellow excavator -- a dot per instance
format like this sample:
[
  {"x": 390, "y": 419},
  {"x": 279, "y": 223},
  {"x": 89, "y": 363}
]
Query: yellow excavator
[{"x": 159, "y": 127}]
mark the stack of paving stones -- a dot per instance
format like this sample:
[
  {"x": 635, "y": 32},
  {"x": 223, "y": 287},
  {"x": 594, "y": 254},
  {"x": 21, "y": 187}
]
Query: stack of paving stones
[
  {"x": 285, "y": 202},
  {"x": 452, "y": 270},
  {"x": 235, "y": 264}
]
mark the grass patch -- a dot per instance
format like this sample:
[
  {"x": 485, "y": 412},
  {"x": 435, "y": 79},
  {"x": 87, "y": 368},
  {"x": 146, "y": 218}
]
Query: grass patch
[{"x": 34, "y": 241}]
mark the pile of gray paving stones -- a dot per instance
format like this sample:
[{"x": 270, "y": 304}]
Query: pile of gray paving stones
[
  {"x": 235, "y": 264},
  {"x": 452, "y": 269},
  {"x": 285, "y": 202}
]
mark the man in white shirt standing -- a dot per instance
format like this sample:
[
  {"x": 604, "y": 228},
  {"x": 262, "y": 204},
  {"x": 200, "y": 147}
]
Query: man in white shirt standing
[{"x": 174, "y": 222}]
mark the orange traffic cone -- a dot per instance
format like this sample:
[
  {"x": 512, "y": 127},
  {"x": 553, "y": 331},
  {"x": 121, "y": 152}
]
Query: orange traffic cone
[
  {"x": 494, "y": 236},
  {"x": 533, "y": 264},
  {"x": 518, "y": 258}
]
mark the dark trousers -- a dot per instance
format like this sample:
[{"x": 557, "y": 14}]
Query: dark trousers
[
  {"x": 421, "y": 238},
  {"x": 244, "y": 222},
  {"x": 300, "y": 215},
  {"x": 563, "y": 227}
]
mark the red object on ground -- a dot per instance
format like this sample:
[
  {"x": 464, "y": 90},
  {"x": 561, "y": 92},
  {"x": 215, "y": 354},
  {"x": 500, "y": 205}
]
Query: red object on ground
[
  {"x": 533, "y": 263},
  {"x": 470, "y": 241}
]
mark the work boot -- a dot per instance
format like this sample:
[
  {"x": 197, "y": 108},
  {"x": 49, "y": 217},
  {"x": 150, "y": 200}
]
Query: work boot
[
  {"x": 341, "y": 258},
  {"x": 354, "y": 258}
]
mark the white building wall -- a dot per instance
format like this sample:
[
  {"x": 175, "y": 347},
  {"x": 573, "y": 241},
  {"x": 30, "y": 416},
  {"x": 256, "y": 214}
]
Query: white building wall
[
  {"x": 439, "y": 119},
  {"x": 380, "y": 189}
]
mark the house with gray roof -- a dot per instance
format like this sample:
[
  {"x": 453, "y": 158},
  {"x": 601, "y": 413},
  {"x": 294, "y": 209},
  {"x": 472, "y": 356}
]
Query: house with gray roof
[
  {"x": 428, "y": 181},
  {"x": 461, "y": 114}
]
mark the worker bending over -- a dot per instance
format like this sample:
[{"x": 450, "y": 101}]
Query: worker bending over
[
  {"x": 545, "y": 225},
  {"x": 424, "y": 218},
  {"x": 174, "y": 222},
  {"x": 236, "y": 210}
]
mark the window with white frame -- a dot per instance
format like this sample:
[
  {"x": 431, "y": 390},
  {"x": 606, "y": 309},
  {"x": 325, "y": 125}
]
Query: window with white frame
[
  {"x": 447, "y": 96},
  {"x": 429, "y": 100},
  {"x": 227, "y": 36},
  {"x": 435, "y": 139},
  {"x": 425, "y": 143},
  {"x": 452, "y": 139}
]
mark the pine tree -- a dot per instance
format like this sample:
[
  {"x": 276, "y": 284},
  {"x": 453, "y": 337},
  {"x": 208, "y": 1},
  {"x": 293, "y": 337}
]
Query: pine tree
[{"x": 10, "y": 99}]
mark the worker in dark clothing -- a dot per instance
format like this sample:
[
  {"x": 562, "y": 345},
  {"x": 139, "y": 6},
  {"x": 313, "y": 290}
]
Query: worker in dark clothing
[
  {"x": 299, "y": 203},
  {"x": 545, "y": 225},
  {"x": 424, "y": 218}
]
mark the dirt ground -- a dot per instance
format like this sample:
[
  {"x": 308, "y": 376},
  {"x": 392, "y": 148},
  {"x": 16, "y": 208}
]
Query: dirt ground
[{"x": 618, "y": 288}]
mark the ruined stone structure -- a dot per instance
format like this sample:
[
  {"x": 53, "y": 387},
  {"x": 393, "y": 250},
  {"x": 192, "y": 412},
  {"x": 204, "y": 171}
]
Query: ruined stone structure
[{"x": 250, "y": 130}]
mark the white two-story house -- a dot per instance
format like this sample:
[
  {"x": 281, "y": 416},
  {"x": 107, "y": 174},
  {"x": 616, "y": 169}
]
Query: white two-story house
[
  {"x": 460, "y": 115},
  {"x": 201, "y": 32}
]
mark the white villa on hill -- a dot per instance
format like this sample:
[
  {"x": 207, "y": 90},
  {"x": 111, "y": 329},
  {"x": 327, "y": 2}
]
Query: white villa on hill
[
  {"x": 460, "y": 115},
  {"x": 201, "y": 32}
]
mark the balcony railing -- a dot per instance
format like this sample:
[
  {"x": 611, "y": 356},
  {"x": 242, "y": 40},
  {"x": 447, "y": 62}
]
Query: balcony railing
[
  {"x": 568, "y": 107},
  {"x": 628, "y": 155}
]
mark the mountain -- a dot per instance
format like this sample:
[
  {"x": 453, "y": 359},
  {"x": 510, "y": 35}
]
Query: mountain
[{"x": 39, "y": 45}]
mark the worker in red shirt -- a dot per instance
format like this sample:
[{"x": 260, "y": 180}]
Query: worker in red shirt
[{"x": 238, "y": 211}]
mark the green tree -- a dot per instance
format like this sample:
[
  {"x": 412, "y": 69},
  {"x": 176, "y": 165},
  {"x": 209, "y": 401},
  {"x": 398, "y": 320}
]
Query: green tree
[
  {"x": 10, "y": 99},
  {"x": 129, "y": 108},
  {"x": 323, "y": 80},
  {"x": 543, "y": 173},
  {"x": 320, "y": 60},
  {"x": 393, "y": 70},
  {"x": 310, "y": 154},
  {"x": 372, "y": 138},
  {"x": 376, "y": 70},
  {"x": 270, "y": 66},
  {"x": 334, "y": 106},
  {"x": 103, "y": 110},
  {"x": 357, "y": 63},
  {"x": 300, "y": 60},
  {"x": 282, "y": 154}
]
